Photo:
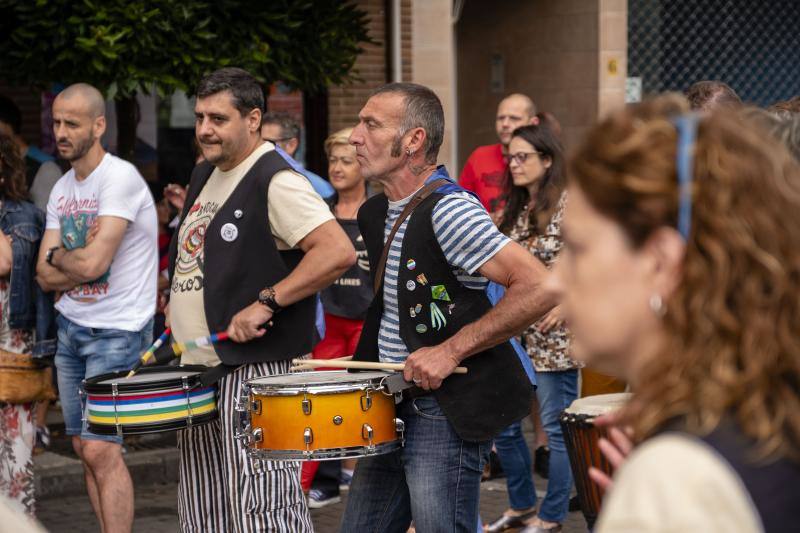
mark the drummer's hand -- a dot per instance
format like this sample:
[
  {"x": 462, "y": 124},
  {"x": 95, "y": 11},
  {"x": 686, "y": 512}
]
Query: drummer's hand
[
  {"x": 553, "y": 319},
  {"x": 616, "y": 449},
  {"x": 428, "y": 366},
  {"x": 249, "y": 323}
]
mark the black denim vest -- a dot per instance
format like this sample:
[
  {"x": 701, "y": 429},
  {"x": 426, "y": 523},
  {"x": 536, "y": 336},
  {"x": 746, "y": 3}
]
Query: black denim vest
[
  {"x": 235, "y": 271},
  {"x": 496, "y": 390}
]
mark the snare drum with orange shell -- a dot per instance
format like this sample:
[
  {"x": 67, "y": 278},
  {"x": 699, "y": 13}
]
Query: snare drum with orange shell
[{"x": 317, "y": 415}]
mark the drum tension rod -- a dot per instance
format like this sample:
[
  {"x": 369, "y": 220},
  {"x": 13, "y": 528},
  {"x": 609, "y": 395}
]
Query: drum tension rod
[
  {"x": 185, "y": 386},
  {"x": 114, "y": 394}
]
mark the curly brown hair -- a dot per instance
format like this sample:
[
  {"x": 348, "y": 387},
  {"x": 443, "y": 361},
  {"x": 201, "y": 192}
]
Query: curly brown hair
[
  {"x": 733, "y": 347},
  {"x": 13, "y": 185}
]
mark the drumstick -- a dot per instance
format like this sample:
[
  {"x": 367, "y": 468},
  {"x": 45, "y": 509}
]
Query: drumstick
[
  {"x": 364, "y": 365},
  {"x": 179, "y": 347},
  {"x": 306, "y": 367},
  {"x": 148, "y": 354}
]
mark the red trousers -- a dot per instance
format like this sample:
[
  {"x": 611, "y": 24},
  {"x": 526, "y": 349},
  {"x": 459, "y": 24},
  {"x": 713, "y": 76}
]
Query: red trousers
[{"x": 341, "y": 338}]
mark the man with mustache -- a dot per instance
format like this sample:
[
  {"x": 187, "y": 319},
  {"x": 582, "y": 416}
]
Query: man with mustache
[
  {"x": 269, "y": 244},
  {"x": 100, "y": 250}
]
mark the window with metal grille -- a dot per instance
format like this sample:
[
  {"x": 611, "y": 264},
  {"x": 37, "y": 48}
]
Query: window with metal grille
[{"x": 752, "y": 45}]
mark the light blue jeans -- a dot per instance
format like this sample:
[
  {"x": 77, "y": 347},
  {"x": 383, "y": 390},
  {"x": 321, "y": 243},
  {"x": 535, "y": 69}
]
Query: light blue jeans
[
  {"x": 556, "y": 391},
  {"x": 434, "y": 479},
  {"x": 86, "y": 352}
]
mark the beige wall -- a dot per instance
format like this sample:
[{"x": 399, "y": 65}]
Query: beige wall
[
  {"x": 433, "y": 63},
  {"x": 554, "y": 51}
]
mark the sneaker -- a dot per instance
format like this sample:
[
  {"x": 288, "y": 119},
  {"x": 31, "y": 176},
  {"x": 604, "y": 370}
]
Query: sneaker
[
  {"x": 318, "y": 499},
  {"x": 42, "y": 440},
  {"x": 344, "y": 480},
  {"x": 541, "y": 461}
]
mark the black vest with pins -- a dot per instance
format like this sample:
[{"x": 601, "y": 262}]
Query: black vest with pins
[
  {"x": 496, "y": 391},
  {"x": 234, "y": 272}
]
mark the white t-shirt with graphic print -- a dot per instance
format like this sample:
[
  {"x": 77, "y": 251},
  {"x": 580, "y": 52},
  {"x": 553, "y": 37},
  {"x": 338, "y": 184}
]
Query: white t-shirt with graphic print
[{"x": 125, "y": 296}]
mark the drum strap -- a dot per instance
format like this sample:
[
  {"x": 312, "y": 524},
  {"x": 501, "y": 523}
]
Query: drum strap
[
  {"x": 216, "y": 373},
  {"x": 410, "y": 206}
]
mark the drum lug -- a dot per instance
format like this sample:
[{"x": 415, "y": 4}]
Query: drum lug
[
  {"x": 258, "y": 435},
  {"x": 399, "y": 427},
  {"x": 308, "y": 438},
  {"x": 367, "y": 433},
  {"x": 366, "y": 401},
  {"x": 337, "y": 420},
  {"x": 255, "y": 407},
  {"x": 306, "y": 403}
]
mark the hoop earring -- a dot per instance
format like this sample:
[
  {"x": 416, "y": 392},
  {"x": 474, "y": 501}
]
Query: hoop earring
[{"x": 657, "y": 305}]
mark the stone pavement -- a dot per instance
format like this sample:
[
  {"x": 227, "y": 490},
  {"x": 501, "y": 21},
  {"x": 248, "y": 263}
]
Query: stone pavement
[
  {"x": 156, "y": 511},
  {"x": 63, "y": 507}
]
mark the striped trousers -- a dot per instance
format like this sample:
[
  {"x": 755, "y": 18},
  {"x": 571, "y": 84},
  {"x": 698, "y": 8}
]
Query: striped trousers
[{"x": 221, "y": 489}]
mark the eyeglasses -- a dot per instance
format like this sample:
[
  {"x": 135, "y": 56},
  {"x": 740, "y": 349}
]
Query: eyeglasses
[
  {"x": 276, "y": 141},
  {"x": 519, "y": 157}
]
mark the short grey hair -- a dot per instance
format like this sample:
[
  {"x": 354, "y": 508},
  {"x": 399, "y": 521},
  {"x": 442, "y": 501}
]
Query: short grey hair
[
  {"x": 290, "y": 129},
  {"x": 423, "y": 110}
]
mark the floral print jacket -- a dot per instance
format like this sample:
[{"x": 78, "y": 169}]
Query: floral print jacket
[{"x": 548, "y": 351}]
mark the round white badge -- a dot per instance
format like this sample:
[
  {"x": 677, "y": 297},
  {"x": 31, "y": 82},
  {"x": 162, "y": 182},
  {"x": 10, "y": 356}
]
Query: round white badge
[{"x": 229, "y": 232}]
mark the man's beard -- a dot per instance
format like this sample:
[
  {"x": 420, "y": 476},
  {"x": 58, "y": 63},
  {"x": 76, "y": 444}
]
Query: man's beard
[{"x": 81, "y": 148}]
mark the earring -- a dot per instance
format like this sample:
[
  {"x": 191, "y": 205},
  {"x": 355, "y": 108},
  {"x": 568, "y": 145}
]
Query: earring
[
  {"x": 409, "y": 152},
  {"x": 657, "y": 305}
]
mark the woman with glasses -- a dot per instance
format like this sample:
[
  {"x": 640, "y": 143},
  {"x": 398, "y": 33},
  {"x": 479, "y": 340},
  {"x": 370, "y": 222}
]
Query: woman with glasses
[
  {"x": 532, "y": 217},
  {"x": 681, "y": 274}
]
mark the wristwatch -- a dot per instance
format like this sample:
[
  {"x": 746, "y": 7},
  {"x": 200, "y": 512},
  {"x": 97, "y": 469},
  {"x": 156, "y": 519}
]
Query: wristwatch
[
  {"x": 49, "y": 256},
  {"x": 267, "y": 297}
]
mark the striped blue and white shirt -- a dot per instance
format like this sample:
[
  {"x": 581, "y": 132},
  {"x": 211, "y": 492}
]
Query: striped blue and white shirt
[{"x": 468, "y": 238}]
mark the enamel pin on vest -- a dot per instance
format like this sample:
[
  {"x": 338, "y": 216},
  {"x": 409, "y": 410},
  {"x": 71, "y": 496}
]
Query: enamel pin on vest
[{"x": 229, "y": 232}]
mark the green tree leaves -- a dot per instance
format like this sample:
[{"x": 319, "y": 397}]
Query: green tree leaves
[{"x": 122, "y": 46}]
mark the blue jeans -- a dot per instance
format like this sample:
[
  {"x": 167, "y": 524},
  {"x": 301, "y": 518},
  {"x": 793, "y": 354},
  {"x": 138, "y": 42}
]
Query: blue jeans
[
  {"x": 86, "y": 352},
  {"x": 434, "y": 479},
  {"x": 556, "y": 391},
  {"x": 515, "y": 458}
]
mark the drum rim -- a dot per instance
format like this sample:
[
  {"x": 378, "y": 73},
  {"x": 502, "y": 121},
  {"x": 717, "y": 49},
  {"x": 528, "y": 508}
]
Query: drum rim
[
  {"x": 292, "y": 389},
  {"x": 92, "y": 385},
  {"x": 325, "y": 454},
  {"x": 160, "y": 427}
]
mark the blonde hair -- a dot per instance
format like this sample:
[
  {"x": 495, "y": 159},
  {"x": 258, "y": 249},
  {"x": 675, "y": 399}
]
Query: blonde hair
[
  {"x": 339, "y": 138},
  {"x": 733, "y": 345}
]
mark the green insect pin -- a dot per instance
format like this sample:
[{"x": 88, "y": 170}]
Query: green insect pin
[{"x": 437, "y": 317}]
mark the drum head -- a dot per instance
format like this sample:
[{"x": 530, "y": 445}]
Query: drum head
[
  {"x": 145, "y": 379},
  {"x": 598, "y": 405},
  {"x": 321, "y": 381}
]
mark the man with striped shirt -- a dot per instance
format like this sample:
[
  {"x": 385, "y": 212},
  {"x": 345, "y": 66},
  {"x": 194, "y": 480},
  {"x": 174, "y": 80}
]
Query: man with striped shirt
[{"x": 431, "y": 313}]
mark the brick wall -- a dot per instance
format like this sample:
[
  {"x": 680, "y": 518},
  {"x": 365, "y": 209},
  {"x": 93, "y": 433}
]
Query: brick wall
[
  {"x": 345, "y": 101},
  {"x": 30, "y": 102}
]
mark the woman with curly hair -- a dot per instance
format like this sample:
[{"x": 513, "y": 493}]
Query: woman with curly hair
[
  {"x": 681, "y": 274},
  {"x": 21, "y": 226}
]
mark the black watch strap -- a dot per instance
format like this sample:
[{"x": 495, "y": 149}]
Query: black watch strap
[
  {"x": 49, "y": 256},
  {"x": 267, "y": 297}
]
